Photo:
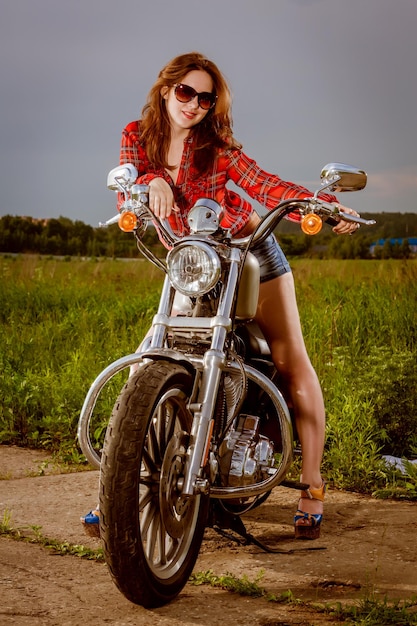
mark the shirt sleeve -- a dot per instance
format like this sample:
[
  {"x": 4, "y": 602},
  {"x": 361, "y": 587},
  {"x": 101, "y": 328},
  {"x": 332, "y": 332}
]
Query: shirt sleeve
[
  {"x": 131, "y": 151},
  {"x": 267, "y": 189}
]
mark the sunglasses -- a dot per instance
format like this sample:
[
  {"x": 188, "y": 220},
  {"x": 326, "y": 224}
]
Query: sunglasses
[{"x": 185, "y": 93}]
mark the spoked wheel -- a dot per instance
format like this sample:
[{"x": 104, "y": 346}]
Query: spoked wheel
[{"x": 151, "y": 534}]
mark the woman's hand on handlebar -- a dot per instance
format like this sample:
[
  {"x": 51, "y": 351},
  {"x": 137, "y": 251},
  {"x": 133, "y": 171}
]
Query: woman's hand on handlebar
[
  {"x": 161, "y": 198},
  {"x": 343, "y": 227}
]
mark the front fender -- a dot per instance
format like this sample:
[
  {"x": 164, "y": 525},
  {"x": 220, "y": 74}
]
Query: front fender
[{"x": 166, "y": 354}]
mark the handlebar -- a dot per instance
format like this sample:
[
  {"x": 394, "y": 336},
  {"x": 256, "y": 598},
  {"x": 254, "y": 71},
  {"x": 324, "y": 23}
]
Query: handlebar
[{"x": 328, "y": 212}]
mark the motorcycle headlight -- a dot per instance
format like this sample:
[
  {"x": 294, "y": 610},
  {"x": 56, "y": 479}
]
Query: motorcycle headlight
[{"x": 193, "y": 268}]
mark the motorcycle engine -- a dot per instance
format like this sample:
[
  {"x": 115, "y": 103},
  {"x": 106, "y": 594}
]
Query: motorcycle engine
[{"x": 245, "y": 456}]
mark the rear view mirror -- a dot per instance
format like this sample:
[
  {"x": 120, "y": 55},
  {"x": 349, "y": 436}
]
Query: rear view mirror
[
  {"x": 341, "y": 177},
  {"x": 121, "y": 176}
]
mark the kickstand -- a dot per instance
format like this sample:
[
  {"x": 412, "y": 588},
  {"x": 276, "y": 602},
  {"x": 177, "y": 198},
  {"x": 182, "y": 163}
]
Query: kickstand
[{"x": 236, "y": 525}]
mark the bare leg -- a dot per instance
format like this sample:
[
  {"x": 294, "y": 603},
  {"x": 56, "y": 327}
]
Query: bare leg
[{"x": 279, "y": 321}]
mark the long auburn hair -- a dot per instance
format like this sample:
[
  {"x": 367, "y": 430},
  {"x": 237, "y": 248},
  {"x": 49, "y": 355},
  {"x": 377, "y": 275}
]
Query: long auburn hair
[{"x": 212, "y": 134}]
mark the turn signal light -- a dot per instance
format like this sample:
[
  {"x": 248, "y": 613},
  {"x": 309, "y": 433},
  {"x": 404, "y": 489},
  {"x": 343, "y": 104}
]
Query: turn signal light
[
  {"x": 311, "y": 224},
  {"x": 127, "y": 221}
]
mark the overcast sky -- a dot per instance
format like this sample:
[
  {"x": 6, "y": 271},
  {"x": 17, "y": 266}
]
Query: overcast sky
[{"x": 313, "y": 81}]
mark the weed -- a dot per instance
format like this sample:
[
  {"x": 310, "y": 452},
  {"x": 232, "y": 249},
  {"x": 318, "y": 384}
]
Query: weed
[
  {"x": 369, "y": 611},
  {"x": 33, "y": 534},
  {"x": 243, "y": 586}
]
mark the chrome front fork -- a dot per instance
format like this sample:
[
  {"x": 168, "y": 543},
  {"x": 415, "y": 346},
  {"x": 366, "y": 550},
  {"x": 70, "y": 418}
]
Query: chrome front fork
[{"x": 203, "y": 410}]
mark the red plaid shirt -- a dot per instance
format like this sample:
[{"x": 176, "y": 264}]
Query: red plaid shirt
[{"x": 233, "y": 164}]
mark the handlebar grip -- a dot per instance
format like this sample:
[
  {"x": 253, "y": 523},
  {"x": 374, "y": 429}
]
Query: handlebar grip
[
  {"x": 332, "y": 221},
  {"x": 347, "y": 217}
]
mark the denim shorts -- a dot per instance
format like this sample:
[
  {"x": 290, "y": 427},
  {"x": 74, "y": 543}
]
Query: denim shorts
[{"x": 272, "y": 260}]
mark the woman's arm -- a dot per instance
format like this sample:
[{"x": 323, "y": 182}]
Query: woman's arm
[{"x": 268, "y": 189}]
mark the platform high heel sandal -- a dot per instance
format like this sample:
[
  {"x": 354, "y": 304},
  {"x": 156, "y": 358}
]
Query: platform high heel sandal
[
  {"x": 91, "y": 523},
  {"x": 307, "y": 525}
]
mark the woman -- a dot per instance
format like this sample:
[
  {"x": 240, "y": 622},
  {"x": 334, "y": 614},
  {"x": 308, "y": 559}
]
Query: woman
[{"x": 184, "y": 149}]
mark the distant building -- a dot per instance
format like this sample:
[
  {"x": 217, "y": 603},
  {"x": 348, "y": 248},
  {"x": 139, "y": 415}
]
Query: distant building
[{"x": 399, "y": 241}]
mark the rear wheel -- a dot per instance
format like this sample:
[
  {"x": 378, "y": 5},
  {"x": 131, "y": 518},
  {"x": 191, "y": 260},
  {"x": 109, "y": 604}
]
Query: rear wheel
[{"x": 151, "y": 534}]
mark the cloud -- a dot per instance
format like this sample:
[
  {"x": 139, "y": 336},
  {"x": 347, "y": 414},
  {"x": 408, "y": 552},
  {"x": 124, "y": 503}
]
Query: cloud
[{"x": 385, "y": 182}]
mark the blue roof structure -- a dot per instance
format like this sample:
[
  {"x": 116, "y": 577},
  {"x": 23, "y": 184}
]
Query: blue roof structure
[{"x": 412, "y": 241}]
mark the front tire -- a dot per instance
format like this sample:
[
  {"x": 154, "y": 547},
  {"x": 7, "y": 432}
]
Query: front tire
[{"x": 151, "y": 535}]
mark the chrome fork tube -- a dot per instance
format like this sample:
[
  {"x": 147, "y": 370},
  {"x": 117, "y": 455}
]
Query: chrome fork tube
[
  {"x": 161, "y": 319},
  {"x": 213, "y": 364}
]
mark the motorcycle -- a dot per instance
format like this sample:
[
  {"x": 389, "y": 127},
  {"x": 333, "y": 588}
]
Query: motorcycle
[{"x": 200, "y": 433}]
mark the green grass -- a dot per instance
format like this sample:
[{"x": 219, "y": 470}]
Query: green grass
[
  {"x": 33, "y": 534},
  {"x": 63, "y": 321},
  {"x": 61, "y": 324},
  {"x": 367, "y": 611}
]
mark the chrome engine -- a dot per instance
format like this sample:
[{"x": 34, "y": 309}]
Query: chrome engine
[{"x": 245, "y": 456}]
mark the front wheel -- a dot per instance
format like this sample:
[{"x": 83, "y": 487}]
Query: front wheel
[{"x": 151, "y": 534}]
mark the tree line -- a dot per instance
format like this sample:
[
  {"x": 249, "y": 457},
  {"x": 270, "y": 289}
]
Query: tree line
[{"x": 64, "y": 237}]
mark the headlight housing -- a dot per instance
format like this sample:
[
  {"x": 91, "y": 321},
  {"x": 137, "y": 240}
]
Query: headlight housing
[{"x": 193, "y": 268}]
